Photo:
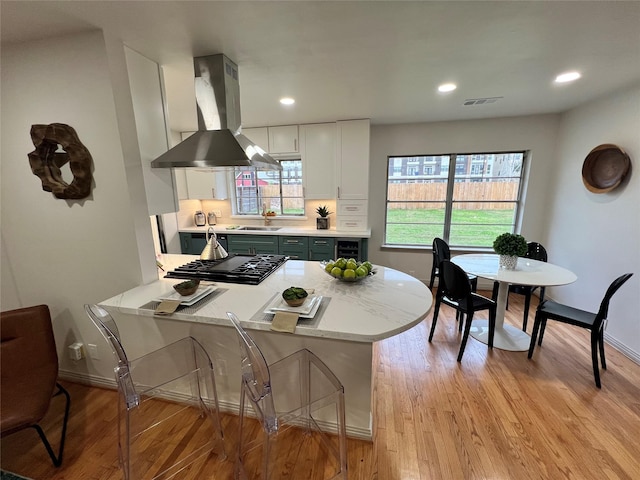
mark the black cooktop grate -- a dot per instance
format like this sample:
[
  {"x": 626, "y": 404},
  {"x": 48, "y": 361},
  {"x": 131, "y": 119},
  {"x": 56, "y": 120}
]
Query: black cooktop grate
[{"x": 246, "y": 269}]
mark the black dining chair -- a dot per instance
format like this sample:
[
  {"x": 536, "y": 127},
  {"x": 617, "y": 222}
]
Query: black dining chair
[
  {"x": 535, "y": 251},
  {"x": 550, "y": 310},
  {"x": 441, "y": 251},
  {"x": 454, "y": 289}
]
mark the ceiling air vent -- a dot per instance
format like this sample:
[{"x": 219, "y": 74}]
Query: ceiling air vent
[{"x": 481, "y": 101}]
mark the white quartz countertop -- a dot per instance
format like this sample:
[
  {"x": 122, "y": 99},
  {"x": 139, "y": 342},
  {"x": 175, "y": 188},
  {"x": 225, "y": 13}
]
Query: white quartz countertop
[
  {"x": 282, "y": 230},
  {"x": 380, "y": 306}
]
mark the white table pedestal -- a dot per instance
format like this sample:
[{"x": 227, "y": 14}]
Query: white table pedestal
[
  {"x": 505, "y": 337},
  {"x": 527, "y": 272}
]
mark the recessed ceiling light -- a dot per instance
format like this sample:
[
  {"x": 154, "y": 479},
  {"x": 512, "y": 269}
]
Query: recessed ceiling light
[
  {"x": 447, "y": 87},
  {"x": 287, "y": 101},
  {"x": 567, "y": 77}
]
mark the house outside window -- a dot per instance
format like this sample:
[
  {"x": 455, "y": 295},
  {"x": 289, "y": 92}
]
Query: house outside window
[
  {"x": 468, "y": 205},
  {"x": 280, "y": 191}
]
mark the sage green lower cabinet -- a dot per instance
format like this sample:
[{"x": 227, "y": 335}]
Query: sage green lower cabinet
[
  {"x": 296, "y": 248},
  {"x": 252, "y": 244},
  {"x": 322, "y": 248},
  {"x": 192, "y": 243}
]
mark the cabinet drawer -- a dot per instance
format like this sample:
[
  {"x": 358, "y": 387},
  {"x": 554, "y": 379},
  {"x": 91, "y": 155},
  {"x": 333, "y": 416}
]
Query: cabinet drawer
[
  {"x": 294, "y": 241},
  {"x": 296, "y": 252},
  {"x": 297, "y": 248},
  {"x": 352, "y": 207},
  {"x": 352, "y": 224},
  {"x": 253, "y": 244}
]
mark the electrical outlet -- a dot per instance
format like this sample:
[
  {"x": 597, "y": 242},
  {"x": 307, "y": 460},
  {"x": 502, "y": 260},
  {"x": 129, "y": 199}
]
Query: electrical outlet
[
  {"x": 93, "y": 351},
  {"x": 76, "y": 351},
  {"x": 217, "y": 213}
]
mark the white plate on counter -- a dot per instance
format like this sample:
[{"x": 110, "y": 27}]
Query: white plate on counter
[
  {"x": 188, "y": 300},
  {"x": 307, "y": 310}
]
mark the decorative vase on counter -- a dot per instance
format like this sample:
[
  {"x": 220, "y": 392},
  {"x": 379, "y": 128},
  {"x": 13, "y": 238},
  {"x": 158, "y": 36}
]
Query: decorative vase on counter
[
  {"x": 322, "y": 223},
  {"x": 508, "y": 262}
]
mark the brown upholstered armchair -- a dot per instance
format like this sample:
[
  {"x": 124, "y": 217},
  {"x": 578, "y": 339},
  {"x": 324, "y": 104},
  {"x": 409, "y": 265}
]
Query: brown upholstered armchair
[{"x": 29, "y": 373}]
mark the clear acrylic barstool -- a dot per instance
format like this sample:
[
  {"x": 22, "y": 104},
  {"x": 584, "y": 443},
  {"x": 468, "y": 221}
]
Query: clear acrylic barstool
[
  {"x": 167, "y": 407},
  {"x": 299, "y": 404}
]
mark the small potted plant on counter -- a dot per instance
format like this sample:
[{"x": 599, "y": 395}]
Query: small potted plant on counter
[
  {"x": 509, "y": 246},
  {"x": 322, "y": 223}
]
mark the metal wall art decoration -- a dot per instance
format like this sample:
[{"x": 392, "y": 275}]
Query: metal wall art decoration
[{"x": 56, "y": 145}]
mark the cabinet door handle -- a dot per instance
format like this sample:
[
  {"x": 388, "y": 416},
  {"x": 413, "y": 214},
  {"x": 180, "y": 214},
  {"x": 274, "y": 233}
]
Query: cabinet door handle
[
  {"x": 295, "y": 144},
  {"x": 338, "y": 192},
  {"x": 294, "y": 256},
  {"x": 320, "y": 243}
]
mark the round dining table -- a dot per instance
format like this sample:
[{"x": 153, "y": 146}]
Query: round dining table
[{"x": 527, "y": 272}]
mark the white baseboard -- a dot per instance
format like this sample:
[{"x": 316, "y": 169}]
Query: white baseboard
[
  {"x": 226, "y": 407},
  {"x": 622, "y": 348}
]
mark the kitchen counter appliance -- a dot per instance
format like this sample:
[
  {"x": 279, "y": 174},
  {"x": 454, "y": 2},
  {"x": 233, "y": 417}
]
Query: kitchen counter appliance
[{"x": 245, "y": 269}]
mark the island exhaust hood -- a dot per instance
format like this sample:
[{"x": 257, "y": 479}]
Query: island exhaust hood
[{"x": 218, "y": 142}]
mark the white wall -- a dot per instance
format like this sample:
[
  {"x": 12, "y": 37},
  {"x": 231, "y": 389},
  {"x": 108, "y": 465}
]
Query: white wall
[
  {"x": 66, "y": 253},
  {"x": 535, "y": 133},
  {"x": 598, "y": 235}
]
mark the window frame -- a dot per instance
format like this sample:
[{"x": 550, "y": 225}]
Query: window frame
[
  {"x": 253, "y": 173},
  {"x": 449, "y": 200}
]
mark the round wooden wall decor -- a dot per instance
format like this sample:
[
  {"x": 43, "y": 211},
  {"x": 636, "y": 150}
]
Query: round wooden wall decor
[
  {"x": 604, "y": 168},
  {"x": 46, "y": 160}
]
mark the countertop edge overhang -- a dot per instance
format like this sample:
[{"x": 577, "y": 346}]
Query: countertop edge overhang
[
  {"x": 285, "y": 230},
  {"x": 379, "y": 307}
]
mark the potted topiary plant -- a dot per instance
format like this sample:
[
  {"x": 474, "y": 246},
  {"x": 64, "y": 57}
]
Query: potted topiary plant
[
  {"x": 322, "y": 223},
  {"x": 509, "y": 246}
]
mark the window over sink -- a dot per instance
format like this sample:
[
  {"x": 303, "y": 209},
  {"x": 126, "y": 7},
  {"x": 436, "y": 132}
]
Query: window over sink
[{"x": 278, "y": 191}]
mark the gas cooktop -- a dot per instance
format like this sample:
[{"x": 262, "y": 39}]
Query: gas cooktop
[{"x": 247, "y": 269}]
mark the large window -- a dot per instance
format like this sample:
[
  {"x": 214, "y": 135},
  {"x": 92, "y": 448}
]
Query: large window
[
  {"x": 468, "y": 205},
  {"x": 280, "y": 191}
]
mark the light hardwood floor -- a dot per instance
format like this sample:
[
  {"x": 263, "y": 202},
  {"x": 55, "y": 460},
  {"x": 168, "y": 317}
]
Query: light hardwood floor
[{"x": 496, "y": 415}]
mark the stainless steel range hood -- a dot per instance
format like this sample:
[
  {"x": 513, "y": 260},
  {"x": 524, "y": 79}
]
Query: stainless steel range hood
[{"x": 218, "y": 142}]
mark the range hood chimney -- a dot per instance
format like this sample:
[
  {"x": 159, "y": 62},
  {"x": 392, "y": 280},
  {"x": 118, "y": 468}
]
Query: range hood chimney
[{"x": 218, "y": 142}]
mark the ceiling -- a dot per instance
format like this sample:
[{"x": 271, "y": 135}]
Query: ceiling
[{"x": 381, "y": 60}]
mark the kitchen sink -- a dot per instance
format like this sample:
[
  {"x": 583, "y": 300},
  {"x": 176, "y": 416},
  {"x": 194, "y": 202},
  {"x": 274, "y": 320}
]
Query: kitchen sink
[{"x": 261, "y": 229}]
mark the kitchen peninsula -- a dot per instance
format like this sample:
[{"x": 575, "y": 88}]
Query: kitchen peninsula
[{"x": 352, "y": 316}]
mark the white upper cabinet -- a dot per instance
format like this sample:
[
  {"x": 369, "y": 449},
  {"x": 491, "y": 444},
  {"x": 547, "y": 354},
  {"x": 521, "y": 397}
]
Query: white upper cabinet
[
  {"x": 283, "y": 139},
  {"x": 352, "y": 163},
  {"x": 318, "y": 152},
  {"x": 259, "y": 136},
  {"x": 146, "y": 97},
  {"x": 206, "y": 184}
]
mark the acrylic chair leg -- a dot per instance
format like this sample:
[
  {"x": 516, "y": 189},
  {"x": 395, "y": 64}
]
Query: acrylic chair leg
[
  {"x": 238, "y": 470},
  {"x": 305, "y": 390},
  {"x": 342, "y": 436},
  {"x": 266, "y": 455}
]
